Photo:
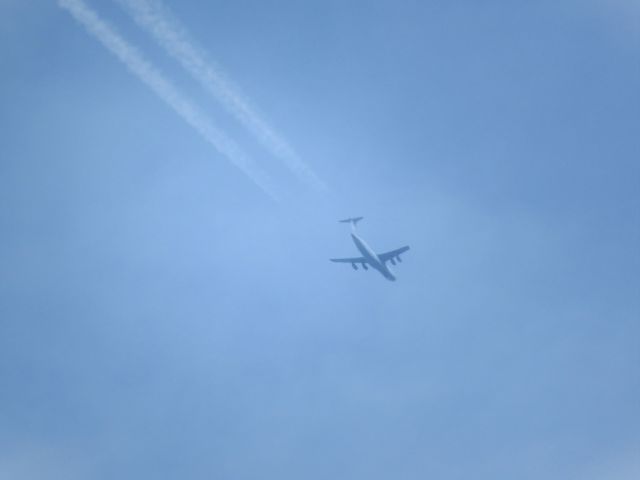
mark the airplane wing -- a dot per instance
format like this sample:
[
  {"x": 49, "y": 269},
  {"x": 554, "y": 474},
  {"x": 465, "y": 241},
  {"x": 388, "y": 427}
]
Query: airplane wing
[
  {"x": 393, "y": 255},
  {"x": 349, "y": 260},
  {"x": 354, "y": 261}
]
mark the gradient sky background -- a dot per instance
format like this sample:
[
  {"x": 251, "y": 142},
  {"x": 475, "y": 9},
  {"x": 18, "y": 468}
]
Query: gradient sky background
[{"x": 161, "y": 317}]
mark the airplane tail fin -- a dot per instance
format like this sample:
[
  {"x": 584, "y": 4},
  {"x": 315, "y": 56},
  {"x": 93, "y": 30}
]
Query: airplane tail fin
[{"x": 353, "y": 221}]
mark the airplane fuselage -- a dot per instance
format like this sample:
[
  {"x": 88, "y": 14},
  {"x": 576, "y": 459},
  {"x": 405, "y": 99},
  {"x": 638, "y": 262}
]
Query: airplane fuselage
[{"x": 372, "y": 258}]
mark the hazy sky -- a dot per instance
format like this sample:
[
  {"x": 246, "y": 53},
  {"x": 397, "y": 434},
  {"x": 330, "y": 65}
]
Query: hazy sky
[{"x": 165, "y": 314}]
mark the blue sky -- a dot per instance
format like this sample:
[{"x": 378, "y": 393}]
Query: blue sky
[{"x": 162, "y": 316}]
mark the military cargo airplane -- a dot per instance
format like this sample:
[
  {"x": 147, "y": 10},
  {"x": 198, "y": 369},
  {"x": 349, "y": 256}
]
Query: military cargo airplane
[{"x": 370, "y": 258}]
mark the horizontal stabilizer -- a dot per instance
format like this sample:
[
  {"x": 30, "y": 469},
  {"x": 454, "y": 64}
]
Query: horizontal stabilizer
[{"x": 352, "y": 220}]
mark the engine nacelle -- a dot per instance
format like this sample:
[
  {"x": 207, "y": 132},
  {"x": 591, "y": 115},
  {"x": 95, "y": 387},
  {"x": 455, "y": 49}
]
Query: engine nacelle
[
  {"x": 398, "y": 258},
  {"x": 364, "y": 265},
  {"x": 393, "y": 262},
  {"x": 355, "y": 267}
]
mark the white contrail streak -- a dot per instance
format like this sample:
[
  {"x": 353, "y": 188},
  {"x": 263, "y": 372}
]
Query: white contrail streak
[
  {"x": 162, "y": 87},
  {"x": 153, "y": 17}
]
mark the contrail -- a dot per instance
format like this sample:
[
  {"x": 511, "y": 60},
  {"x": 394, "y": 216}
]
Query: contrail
[
  {"x": 164, "y": 89},
  {"x": 153, "y": 17}
]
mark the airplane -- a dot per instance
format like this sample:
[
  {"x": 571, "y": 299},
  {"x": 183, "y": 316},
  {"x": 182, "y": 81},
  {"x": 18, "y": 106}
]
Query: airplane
[{"x": 369, "y": 257}]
